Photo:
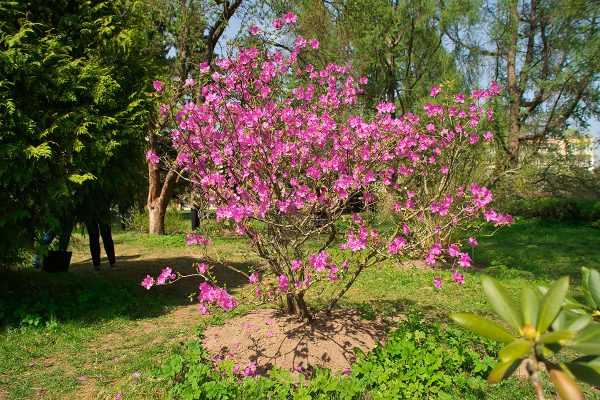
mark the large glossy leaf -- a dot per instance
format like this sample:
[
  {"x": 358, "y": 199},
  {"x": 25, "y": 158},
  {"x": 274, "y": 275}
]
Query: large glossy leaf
[
  {"x": 530, "y": 304},
  {"x": 588, "y": 340},
  {"x": 593, "y": 286},
  {"x": 570, "y": 321},
  {"x": 483, "y": 327},
  {"x": 586, "y": 369},
  {"x": 565, "y": 385},
  {"x": 515, "y": 350},
  {"x": 502, "y": 303},
  {"x": 555, "y": 337},
  {"x": 551, "y": 303},
  {"x": 502, "y": 370}
]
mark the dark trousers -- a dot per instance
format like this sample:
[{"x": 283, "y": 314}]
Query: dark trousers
[{"x": 94, "y": 232}]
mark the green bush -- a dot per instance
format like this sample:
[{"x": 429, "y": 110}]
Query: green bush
[
  {"x": 175, "y": 221},
  {"x": 419, "y": 361},
  {"x": 560, "y": 209}
]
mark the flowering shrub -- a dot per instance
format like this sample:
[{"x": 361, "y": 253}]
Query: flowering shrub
[{"x": 283, "y": 150}]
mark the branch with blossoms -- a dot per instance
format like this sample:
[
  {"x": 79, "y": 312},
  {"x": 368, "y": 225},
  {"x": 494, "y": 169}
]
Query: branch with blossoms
[{"x": 282, "y": 150}]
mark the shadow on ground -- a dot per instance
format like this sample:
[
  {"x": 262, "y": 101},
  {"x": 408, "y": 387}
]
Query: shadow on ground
[{"x": 83, "y": 296}]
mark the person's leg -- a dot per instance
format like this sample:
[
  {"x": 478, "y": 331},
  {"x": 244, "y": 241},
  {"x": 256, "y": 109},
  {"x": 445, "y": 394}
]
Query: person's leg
[
  {"x": 94, "y": 236},
  {"x": 65, "y": 235},
  {"x": 109, "y": 246}
]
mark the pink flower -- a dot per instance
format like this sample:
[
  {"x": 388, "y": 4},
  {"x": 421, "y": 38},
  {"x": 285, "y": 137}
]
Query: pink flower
[
  {"x": 250, "y": 370},
  {"x": 153, "y": 158},
  {"x": 346, "y": 372},
  {"x": 464, "y": 260},
  {"x": 237, "y": 368},
  {"x": 136, "y": 374},
  {"x": 254, "y": 30},
  {"x": 119, "y": 396},
  {"x": 437, "y": 282},
  {"x": 436, "y": 249},
  {"x": 384, "y": 107},
  {"x": 163, "y": 110},
  {"x": 319, "y": 261},
  {"x": 459, "y": 98},
  {"x": 81, "y": 378},
  {"x": 202, "y": 268},
  {"x": 164, "y": 276},
  {"x": 189, "y": 82},
  {"x": 314, "y": 43},
  {"x": 363, "y": 80},
  {"x": 290, "y": 18},
  {"x": 473, "y": 139},
  {"x": 434, "y": 91},
  {"x": 158, "y": 86},
  {"x": 473, "y": 242},
  {"x": 254, "y": 277},
  {"x": 204, "y": 67},
  {"x": 277, "y": 23},
  {"x": 202, "y": 309},
  {"x": 247, "y": 326},
  {"x": 458, "y": 277},
  {"x": 454, "y": 250},
  {"x": 296, "y": 264},
  {"x": 488, "y": 136},
  {"x": 396, "y": 245},
  {"x": 430, "y": 259},
  {"x": 283, "y": 283},
  {"x": 444, "y": 169},
  {"x": 269, "y": 334},
  {"x": 147, "y": 282}
]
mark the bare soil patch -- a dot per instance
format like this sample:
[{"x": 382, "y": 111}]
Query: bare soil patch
[{"x": 269, "y": 337}]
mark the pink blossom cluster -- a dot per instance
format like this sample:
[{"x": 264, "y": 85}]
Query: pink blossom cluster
[
  {"x": 194, "y": 238},
  {"x": 165, "y": 275},
  {"x": 209, "y": 294},
  {"x": 152, "y": 157}
]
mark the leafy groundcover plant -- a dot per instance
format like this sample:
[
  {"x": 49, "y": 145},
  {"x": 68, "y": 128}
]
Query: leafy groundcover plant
[
  {"x": 419, "y": 360},
  {"x": 543, "y": 327}
]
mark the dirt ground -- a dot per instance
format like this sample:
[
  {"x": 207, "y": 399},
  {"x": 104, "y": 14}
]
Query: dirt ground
[{"x": 269, "y": 337}]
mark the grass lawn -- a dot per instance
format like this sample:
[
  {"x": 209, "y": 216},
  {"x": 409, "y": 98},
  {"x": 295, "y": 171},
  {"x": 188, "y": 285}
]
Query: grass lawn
[{"x": 82, "y": 335}]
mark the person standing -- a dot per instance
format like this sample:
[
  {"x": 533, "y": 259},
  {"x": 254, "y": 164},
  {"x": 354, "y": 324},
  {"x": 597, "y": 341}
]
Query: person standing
[{"x": 97, "y": 229}]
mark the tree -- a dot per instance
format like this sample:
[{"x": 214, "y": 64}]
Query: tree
[
  {"x": 191, "y": 29},
  {"x": 73, "y": 93},
  {"x": 397, "y": 45},
  {"x": 545, "y": 53},
  {"x": 281, "y": 151}
]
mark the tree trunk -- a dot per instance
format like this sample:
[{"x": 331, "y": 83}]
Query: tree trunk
[
  {"x": 159, "y": 194},
  {"x": 514, "y": 92},
  {"x": 297, "y": 306}
]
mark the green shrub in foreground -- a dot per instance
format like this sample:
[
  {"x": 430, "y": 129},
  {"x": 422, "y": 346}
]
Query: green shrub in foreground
[{"x": 418, "y": 361}]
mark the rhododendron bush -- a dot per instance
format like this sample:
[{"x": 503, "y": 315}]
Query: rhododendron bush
[{"x": 283, "y": 150}]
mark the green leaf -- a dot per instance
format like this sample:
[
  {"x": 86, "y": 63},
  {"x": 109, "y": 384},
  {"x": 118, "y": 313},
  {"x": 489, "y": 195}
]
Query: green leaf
[
  {"x": 483, "y": 327},
  {"x": 586, "y": 369},
  {"x": 593, "y": 286},
  {"x": 77, "y": 178},
  {"x": 514, "y": 350},
  {"x": 588, "y": 340},
  {"x": 555, "y": 337},
  {"x": 43, "y": 150},
  {"x": 570, "y": 321},
  {"x": 502, "y": 303},
  {"x": 565, "y": 385},
  {"x": 502, "y": 370},
  {"x": 530, "y": 304},
  {"x": 551, "y": 303}
]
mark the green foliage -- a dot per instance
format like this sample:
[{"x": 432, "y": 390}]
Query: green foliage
[
  {"x": 559, "y": 209},
  {"x": 74, "y": 78},
  {"x": 175, "y": 221},
  {"x": 544, "y": 327},
  {"x": 419, "y": 361}
]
